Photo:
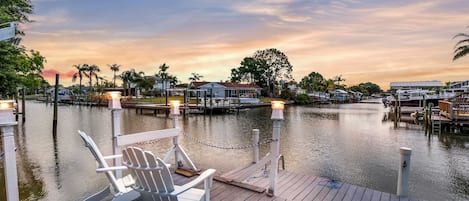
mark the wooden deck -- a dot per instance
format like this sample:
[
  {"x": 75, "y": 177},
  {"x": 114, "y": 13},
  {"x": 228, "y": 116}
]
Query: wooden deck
[{"x": 293, "y": 186}]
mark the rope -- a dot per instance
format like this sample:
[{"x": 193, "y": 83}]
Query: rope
[{"x": 217, "y": 146}]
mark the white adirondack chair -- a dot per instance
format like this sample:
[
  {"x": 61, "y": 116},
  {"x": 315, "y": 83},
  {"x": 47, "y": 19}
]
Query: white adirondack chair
[
  {"x": 121, "y": 187},
  {"x": 153, "y": 179}
]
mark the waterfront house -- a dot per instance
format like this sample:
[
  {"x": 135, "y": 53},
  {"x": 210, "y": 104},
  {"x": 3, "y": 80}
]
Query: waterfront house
[
  {"x": 228, "y": 89},
  {"x": 340, "y": 95}
]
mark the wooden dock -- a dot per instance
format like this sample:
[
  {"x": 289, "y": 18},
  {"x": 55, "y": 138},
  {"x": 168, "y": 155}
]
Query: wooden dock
[{"x": 293, "y": 186}]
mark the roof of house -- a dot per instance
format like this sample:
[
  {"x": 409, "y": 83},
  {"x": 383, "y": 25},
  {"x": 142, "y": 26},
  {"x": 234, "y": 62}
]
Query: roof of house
[
  {"x": 229, "y": 85},
  {"x": 433, "y": 83}
]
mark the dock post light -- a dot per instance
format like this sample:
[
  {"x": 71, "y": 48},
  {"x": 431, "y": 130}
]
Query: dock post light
[
  {"x": 114, "y": 100},
  {"x": 114, "y": 104},
  {"x": 7, "y": 121},
  {"x": 277, "y": 117},
  {"x": 277, "y": 110},
  {"x": 174, "y": 111}
]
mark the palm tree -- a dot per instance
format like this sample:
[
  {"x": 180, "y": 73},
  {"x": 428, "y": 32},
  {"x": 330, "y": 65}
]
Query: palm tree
[
  {"x": 114, "y": 68},
  {"x": 461, "y": 48},
  {"x": 162, "y": 74},
  {"x": 195, "y": 77},
  {"x": 338, "y": 79},
  {"x": 92, "y": 71},
  {"x": 81, "y": 71},
  {"x": 128, "y": 77}
]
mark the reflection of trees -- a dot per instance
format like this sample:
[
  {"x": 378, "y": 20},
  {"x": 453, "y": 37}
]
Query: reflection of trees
[
  {"x": 321, "y": 115},
  {"x": 31, "y": 187}
]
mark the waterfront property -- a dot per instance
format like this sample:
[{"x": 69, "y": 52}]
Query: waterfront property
[
  {"x": 228, "y": 89},
  {"x": 416, "y": 85},
  {"x": 349, "y": 143}
]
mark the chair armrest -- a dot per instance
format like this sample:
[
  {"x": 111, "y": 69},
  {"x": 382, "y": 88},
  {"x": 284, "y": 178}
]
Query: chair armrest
[
  {"x": 207, "y": 175},
  {"x": 112, "y": 157},
  {"x": 111, "y": 168}
]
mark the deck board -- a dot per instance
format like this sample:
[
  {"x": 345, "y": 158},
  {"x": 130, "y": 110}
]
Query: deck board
[{"x": 294, "y": 186}]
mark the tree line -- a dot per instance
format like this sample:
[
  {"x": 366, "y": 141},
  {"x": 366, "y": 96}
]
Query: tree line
[
  {"x": 128, "y": 78},
  {"x": 20, "y": 67}
]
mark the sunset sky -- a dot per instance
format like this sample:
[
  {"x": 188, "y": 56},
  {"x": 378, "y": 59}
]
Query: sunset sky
[{"x": 378, "y": 41}]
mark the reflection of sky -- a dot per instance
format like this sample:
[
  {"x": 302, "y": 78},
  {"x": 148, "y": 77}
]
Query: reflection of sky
[{"x": 378, "y": 41}]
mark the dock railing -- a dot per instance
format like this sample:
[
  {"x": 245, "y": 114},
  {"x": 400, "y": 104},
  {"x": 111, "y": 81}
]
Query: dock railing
[
  {"x": 446, "y": 108},
  {"x": 454, "y": 110}
]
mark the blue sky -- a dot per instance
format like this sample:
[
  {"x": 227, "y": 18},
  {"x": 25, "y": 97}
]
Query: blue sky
[{"x": 378, "y": 41}]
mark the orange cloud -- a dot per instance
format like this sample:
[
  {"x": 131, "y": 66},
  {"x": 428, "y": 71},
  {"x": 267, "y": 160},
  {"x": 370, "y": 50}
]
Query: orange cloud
[{"x": 49, "y": 74}]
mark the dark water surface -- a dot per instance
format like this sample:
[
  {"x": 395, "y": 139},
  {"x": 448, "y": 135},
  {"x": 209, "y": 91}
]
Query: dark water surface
[{"x": 348, "y": 142}]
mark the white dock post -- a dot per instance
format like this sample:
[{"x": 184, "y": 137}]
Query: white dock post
[
  {"x": 404, "y": 172},
  {"x": 7, "y": 121},
  {"x": 255, "y": 133},
  {"x": 277, "y": 117},
  {"x": 175, "y": 114},
  {"x": 114, "y": 105}
]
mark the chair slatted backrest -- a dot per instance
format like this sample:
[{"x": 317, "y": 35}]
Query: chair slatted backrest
[
  {"x": 151, "y": 172},
  {"x": 89, "y": 142}
]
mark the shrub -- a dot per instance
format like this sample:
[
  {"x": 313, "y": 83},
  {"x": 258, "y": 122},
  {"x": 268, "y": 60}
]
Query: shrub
[{"x": 302, "y": 99}]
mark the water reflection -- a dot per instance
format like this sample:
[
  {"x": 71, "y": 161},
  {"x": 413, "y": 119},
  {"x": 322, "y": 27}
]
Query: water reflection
[
  {"x": 350, "y": 143},
  {"x": 31, "y": 187}
]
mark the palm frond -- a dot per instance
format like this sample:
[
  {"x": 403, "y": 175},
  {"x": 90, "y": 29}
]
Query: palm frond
[
  {"x": 460, "y": 42},
  {"x": 461, "y": 35},
  {"x": 462, "y": 51}
]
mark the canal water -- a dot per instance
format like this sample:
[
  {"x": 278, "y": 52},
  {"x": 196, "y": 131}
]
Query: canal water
[{"x": 353, "y": 143}]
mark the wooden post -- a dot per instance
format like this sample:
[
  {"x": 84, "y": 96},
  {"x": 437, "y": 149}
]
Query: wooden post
[
  {"x": 23, "y": 105},
  {"x": 275, "y": 151},
  {"x": 185, "y": 103},
  {"x": 205, "y": 102},
  {"x": 115, "y": 106},
  {"x": 255, "y": 133},
  {"x": 56, "y": 98},
  {"x": 166, "y": 97},
  {"x": 404, "y": 172},
  {"x": 174, "y": 111},
  {"x": 395, "y": 112},
  {"x": 7, "y": 121},
  {"x": 116, "y": 131},
  {"x": 277, "y": 117},
  {"x": 17, "y": 109}
]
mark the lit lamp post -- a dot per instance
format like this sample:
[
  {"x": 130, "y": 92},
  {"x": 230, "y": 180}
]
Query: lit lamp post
[
  {"x": 7, "y": 121},
  {"x": 114, "y": 104},
  {"x": 174, "y": 111},
  {"x": 277, "y": 117},
  {"x": 174, "y": 106}
]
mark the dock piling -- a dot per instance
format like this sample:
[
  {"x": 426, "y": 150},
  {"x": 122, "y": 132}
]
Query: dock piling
[
  {"x": 404, "y": 172},
  {"x": 255, "y": 133},
  {"x": 7, "y": 121},
  {"x": 277, "y": 117},
  {"x": 56, "y": 99},
  {"x": 115, "y": 106},
  {"x": 23, "y": 105}
]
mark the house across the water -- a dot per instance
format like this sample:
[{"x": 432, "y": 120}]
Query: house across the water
[
  {"x": 228, "y": 89},
  {"x": 242, "y": 93}
]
